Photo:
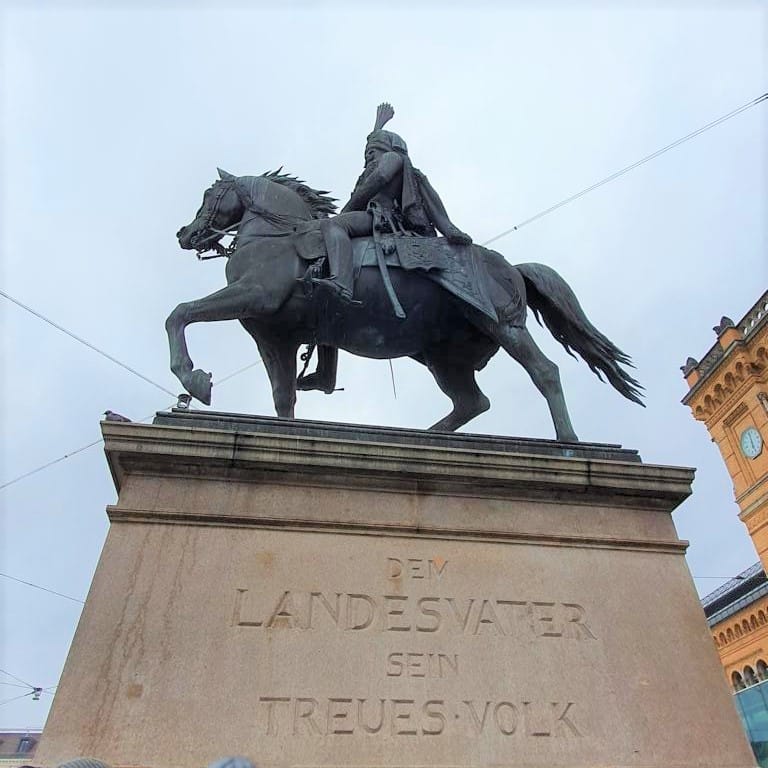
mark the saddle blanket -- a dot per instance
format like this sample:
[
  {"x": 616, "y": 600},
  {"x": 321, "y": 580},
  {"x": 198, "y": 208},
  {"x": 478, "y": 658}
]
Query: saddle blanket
[{"x": 456, "y": 268}]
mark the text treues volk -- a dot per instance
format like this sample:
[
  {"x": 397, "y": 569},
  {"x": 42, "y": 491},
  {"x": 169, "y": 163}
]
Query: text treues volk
[{"x": 347, "y": 716}]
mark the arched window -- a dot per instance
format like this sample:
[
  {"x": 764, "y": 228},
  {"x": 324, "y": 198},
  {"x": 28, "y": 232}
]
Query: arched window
[
  {"x": 760, "y": 617},
  {"x": 729, "y": 634},
  {"x": 762, "y": 670},
  {"x": 737, "y": 681},
  {"x": 722, "y": 638},
  {"x": 745, "y": 625},
  {"x": 737, "y": 631},
  {"x": 750, "y": 678}
]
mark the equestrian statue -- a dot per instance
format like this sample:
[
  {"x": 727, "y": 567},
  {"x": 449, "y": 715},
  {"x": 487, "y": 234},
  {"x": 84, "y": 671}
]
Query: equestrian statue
[{"x": 376, "y": 280}]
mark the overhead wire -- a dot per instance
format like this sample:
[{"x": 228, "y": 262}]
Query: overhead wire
[
  {"x": 34, "y": 471},
  {"x": 34, "y": 690},
  {"x": 493, "y": 239},
  {"x": 50, "y": 464},
  {"x": 44, "y": 589},
  {"x": 17, "y": 679},
  {"x": 16, "y": 698},
  {"x": 85, "y": 342},
  {"x": 628, "y": 168},
  {"x": 515, "y": 228}
]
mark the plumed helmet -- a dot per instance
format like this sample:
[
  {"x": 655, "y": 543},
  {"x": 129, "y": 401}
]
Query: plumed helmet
[{"x": 386, "y": 140}]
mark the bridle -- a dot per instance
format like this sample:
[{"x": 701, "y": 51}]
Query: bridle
[
  {"x": 221, "y": 188},
  {"x": 286, "y": 222}
]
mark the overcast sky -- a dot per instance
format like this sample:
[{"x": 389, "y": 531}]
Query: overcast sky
[{"x": 114, "y": 122}]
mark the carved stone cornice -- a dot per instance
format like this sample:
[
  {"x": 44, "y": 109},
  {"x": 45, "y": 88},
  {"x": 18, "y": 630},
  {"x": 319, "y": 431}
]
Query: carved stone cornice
[
  {"x": 745, "y": 336},
  {"x": 312, "y": 454}
]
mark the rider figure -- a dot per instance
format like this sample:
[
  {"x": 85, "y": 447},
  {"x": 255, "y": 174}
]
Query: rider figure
[{"x": 391, "y": 196}]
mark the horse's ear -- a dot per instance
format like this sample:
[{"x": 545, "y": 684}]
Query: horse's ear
[{"x": 225, "y": 175}]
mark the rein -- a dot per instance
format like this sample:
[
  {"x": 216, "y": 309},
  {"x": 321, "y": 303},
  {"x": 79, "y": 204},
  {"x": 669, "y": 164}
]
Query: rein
[
  {"x": 278, "y": 219},
  {"x": 212, "y": 212},
  {"x": 287, "y": 221}
]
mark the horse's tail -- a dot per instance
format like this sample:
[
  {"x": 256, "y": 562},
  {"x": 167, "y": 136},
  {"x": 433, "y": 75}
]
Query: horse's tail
[{"x": 553, "y": 301}]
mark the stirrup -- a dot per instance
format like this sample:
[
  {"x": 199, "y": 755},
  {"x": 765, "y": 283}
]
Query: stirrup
[{"x": 313, "y": 381}]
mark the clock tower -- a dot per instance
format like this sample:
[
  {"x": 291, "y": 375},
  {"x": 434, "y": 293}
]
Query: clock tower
[{"x": 729, "y": 393}]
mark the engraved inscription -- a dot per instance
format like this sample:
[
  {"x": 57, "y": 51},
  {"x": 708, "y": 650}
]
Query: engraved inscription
[
  {"x": 416, "y": 608},
  {"x": 346, "y": 716},
  {"x": 357, "y": 612},
  {"x": 416, "y": 568},
  {"x": 534, "y": 719},
  {"x": 433, "y": 665}
]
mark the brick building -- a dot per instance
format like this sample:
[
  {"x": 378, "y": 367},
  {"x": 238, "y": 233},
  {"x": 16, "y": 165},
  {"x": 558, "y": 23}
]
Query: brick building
[{"x": 728, "y": 392}]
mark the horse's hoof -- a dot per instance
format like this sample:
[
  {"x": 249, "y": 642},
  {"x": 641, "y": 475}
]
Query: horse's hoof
[
  {"x": 444, "y": 425},
  {"x": 199, "y": 386}
]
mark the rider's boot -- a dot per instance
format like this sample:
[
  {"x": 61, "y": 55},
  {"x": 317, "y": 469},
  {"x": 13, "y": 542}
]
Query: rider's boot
[
  {"x": 335, "y": 285},
  {"x": 324, "y": 378},
  {"x": 340, "y": 265}
]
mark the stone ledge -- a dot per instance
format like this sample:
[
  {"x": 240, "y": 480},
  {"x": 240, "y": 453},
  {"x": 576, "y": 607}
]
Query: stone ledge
[
  {"x": 407, "y": 461},
  {"x": 236, "y": 422},
  {"x": 418, "y": 530}
]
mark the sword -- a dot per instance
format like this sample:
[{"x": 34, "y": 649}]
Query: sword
[{"x": 380, "y": 260}]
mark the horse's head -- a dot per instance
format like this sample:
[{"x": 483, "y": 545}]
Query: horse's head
[{"x": 222, "y": 208}]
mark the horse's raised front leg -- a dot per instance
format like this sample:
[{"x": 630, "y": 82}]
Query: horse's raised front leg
[
  {"x": 544, "y": 373},
  {"x": 239, "y": 300}
]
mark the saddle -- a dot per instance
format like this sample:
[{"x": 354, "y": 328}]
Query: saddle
[{"x": 456, "y": 268}]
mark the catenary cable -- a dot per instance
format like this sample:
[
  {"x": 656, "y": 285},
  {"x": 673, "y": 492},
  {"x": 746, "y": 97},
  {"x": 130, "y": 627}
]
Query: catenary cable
[
  {"x": 17, "y": 679},
  {"x": 86, "y": 343},
  {"x": 34, "y": 471},
  {"x": 16, "y": 698},
  {"x": 44, "y": 589},
  {"x": 629, "y": 168},
  {"x": 506, "y": 232}
]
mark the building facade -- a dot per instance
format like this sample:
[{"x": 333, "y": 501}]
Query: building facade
[
  {"x": 728, "y": 392},
  {"x": 17, "y": 748}
]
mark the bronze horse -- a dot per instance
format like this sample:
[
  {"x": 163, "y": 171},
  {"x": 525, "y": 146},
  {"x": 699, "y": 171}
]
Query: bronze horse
[{"x": 266, "y": 292}]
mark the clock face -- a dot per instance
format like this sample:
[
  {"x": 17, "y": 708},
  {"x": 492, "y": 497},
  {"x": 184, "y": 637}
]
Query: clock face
[{"x": 751, "y": 442}]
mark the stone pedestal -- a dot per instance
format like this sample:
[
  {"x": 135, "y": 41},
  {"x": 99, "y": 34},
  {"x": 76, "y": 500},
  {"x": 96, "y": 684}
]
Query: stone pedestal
[{"x": 320, "y": 595}]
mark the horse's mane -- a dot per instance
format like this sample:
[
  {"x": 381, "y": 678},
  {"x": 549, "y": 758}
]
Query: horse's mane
[{"x": 318, "y": 200}]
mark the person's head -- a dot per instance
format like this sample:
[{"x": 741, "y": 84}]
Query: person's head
[
  {"x": 83, "y": 762},
  {"x": 232, "y": 762},
  {"x": 381, "y": 141}
]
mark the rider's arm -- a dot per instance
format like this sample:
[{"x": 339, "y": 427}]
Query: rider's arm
[{"x": 387, "y": 167}]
